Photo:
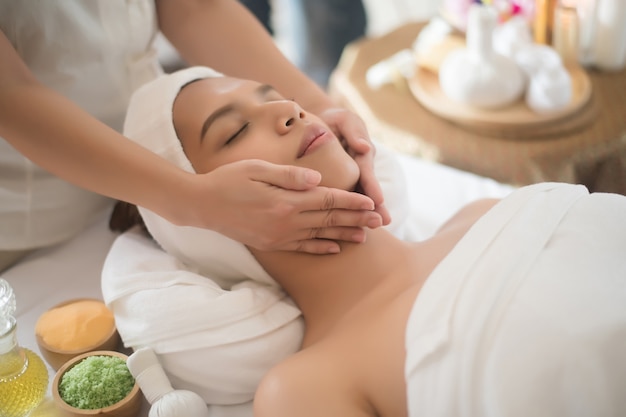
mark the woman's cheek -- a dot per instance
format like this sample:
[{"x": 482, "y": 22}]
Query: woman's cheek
[{"x": 339, "y": 172}]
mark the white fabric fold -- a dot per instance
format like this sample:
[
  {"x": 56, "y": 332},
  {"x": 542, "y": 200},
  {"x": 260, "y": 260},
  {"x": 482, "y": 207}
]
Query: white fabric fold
[
  {"x": 159, "y": 301},
  {"x": 215, "y": 342},
  {"x": 526, "y": 316}
]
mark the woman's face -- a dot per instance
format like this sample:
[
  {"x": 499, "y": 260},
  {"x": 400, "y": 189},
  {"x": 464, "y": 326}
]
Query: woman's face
[{"x": 223, "y": 120}]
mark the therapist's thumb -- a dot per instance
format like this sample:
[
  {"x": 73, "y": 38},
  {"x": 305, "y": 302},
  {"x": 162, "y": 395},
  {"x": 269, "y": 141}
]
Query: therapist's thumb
[{"x": 289, "y": 177}]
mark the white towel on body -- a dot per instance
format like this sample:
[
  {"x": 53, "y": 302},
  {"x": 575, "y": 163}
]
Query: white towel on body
[{"x": 527, "y": 315}]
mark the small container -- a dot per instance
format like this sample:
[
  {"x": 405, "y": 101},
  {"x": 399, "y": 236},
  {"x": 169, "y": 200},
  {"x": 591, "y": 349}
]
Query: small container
[
  {"x": 130, "y": 406},
  {"x": 23, "y": 375},
  {"x": 56, "y": 357}
]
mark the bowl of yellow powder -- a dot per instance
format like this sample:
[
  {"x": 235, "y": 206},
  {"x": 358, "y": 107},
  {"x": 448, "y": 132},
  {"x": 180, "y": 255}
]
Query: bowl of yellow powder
[
  {"x": 75, "y": 327},
  {"x": 97, "y": 383}
]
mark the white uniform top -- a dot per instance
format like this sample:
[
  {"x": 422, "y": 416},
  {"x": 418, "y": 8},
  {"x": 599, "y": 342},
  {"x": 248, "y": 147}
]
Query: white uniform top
[{"x": 94, "y": 52}]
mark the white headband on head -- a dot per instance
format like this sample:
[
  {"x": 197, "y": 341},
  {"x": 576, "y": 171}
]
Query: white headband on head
[{"x": 149, "y": 123}]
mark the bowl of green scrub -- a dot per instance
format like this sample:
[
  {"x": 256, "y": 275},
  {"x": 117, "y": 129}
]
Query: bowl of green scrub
[{"x": 97, "y": 383}]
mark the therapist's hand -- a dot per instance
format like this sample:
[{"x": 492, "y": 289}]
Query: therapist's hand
[
  {"x": 275, "y": 207},
  {"x": 351, "y": 128}
]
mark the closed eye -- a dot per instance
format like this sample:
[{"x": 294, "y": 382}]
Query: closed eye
[{"x": 237, "y": 133}]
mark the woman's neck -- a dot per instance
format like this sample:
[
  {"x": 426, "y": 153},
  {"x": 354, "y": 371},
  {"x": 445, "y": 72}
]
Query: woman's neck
[{"x": 326, "y": 286}]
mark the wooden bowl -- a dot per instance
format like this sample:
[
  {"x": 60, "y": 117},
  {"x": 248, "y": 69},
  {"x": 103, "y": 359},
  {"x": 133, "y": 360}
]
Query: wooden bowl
[
  {"x": 130, "y": 406},
  {"x": 57, "y": 357}
]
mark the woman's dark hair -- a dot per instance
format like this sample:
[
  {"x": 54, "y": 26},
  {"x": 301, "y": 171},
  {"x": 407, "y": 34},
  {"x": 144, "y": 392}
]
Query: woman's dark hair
[{"x": 125, "y": 216}]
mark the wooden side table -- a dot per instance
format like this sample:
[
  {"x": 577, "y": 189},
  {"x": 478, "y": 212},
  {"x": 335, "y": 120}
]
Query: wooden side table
[{"x": 593, "y": 154}]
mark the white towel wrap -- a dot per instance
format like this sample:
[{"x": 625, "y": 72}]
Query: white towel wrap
[{"x": 526, "y": 316}]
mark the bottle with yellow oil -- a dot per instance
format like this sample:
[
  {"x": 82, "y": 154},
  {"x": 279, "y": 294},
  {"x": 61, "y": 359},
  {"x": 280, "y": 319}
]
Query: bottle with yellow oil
[{"x": 23, "y": 374}]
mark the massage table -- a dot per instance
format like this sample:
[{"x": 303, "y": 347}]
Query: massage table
[{"x": 72, "y": 269}]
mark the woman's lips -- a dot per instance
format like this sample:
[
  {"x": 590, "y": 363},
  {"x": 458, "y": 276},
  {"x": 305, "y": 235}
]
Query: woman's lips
[{"x": 314, "y": 136}]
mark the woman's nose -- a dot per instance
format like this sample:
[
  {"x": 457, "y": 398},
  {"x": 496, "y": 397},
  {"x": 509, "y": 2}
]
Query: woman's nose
[{"x": 289, "y": 114}]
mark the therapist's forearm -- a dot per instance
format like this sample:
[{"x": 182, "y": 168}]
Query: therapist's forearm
[{"x": 223, "y": 35}]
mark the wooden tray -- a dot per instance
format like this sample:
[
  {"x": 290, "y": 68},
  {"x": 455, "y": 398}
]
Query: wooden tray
[{"x": 516, "y": 119}]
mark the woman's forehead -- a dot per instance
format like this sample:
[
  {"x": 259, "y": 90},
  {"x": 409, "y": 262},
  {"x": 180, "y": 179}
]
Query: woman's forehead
[
  {"x": 217, "y": 86},
  {"x": 200, "y": 98}
]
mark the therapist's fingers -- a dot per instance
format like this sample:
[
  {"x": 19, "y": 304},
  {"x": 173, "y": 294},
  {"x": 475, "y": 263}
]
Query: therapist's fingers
[
  {"x": 353, "y": 132},
  {"x": 348, "y": 125},
  {"x": 337, "y": 224},
  {"x": 283, "y": 176},
  {"x": 370, "y": 186},
  {"x": 301, "y": 179},
  {"x": 324, "y": 198},
  {"x": 321, "y": 226},
  {"x": 324, "y": 240},
  {"x": 315, "y": 246},
  {"x": 292, "y": 178},
  {"x": 363, "y": 151}
]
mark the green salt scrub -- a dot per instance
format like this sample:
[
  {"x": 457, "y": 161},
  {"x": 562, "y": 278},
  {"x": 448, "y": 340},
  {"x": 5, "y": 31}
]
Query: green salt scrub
[{"x": 96, "y": 382}]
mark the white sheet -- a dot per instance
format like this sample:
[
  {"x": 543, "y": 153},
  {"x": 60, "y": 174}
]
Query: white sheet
[
  {"x": 527, "y": 315},
  {"x": 73, "y": 269}
]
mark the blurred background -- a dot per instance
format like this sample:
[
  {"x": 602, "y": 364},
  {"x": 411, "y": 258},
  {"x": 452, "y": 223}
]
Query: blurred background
[{"x": 313, "y": 33}]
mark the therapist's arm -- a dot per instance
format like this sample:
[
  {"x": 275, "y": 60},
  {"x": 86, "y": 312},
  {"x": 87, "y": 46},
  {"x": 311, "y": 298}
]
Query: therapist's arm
[
  {"x": 60, "y": 137},
  {"x": 224, "y": 35}
]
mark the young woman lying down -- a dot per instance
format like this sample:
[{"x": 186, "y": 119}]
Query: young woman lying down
[{"x": 513, "y": 308}]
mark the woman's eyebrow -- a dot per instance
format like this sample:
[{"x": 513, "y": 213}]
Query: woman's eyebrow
[
  {"x": 261, "y": 90},
  {"x": 222, "y": 111},
  {"x": 264, "y": 89}
]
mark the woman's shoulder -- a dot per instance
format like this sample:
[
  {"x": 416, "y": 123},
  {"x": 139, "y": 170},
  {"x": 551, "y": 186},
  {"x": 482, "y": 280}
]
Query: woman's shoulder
[
  {"x": 469, "y": 214},
  {"x": 307, "y": 384},
  {"x": 304, "y": 385}
]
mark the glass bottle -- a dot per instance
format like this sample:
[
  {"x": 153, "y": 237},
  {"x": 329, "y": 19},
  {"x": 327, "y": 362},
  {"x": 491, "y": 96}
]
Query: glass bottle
[{"x": 23, "y": 374}]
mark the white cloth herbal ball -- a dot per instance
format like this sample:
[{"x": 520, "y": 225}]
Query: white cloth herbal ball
[
  {"x": 165, "y": 401},
  {"x": 179, "y": 403}
]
